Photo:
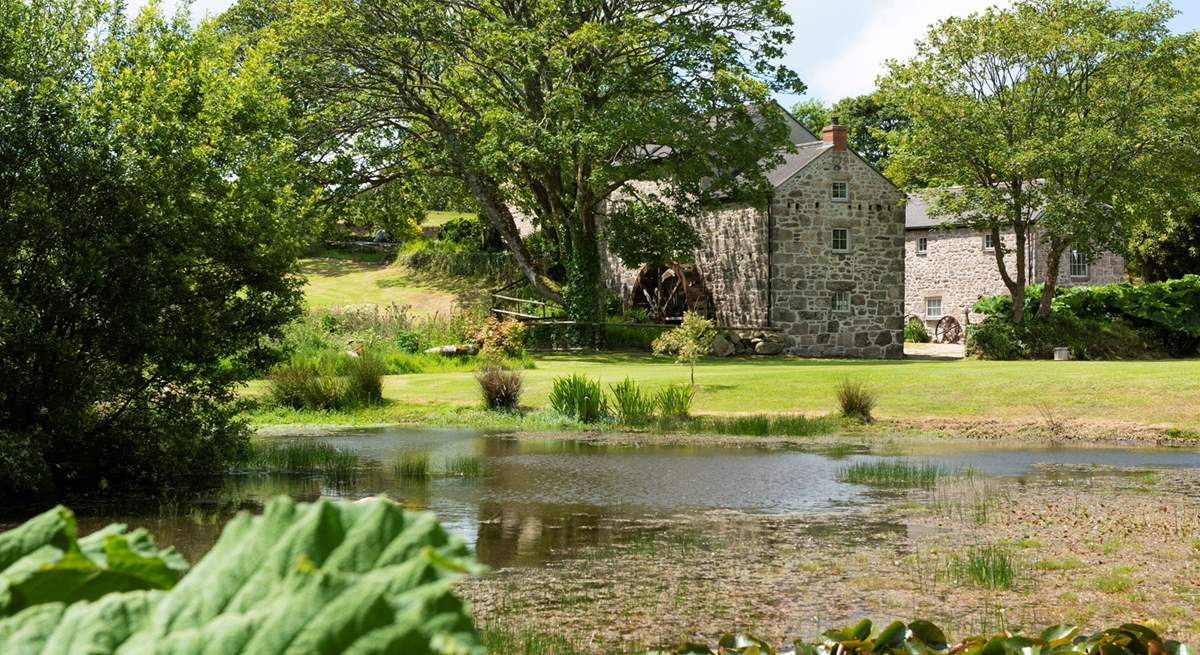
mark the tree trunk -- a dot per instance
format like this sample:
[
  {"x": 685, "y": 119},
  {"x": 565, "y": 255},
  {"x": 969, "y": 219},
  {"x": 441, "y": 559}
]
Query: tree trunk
[
  {"x": 1050, "y": 277},
  {"x": 1015, "y": 286}
]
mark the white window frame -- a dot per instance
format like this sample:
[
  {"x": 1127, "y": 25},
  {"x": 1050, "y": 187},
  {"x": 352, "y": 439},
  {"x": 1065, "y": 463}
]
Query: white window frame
[
  {"x": 833, "y": 240},
  {"x": 939, "y": 314},
  {"x": 1086, "y": 265},
  {"x": 833, "y": 191},
  {"x": 922, "y": 245},
  {"x": 988, "y": 244},
  {"x": 840, "y": 301}
]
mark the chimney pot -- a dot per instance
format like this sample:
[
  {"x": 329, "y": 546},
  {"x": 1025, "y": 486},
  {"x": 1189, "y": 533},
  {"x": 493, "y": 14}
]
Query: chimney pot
[{"x": 835, "y": 133}]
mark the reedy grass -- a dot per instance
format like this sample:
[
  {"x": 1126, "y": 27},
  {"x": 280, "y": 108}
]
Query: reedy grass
[
  {"x": 856, "y": 400},
  {"x": 464, "y": 466},
  {"x": 632, "y": 406},
  {"x": 893, "y": 473},
  {"x": 762, "y": 425},
  {"x": 675, "y": 401},
  {"x": 508, "y": 640},
  {"x": 412, "y": 467},
  {"x": 306, "y": 457},
  {"x": 990, "y": 567}
]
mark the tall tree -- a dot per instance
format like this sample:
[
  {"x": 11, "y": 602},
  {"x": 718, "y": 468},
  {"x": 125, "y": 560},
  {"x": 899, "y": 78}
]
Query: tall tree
[
  {"x": 813, "y": 114},
  {"x": 869, "y": 121},
  {"x": 149, "y": 231},
  {"x": 1050, "y": 114},
  {"x": 547, "y": 108}
]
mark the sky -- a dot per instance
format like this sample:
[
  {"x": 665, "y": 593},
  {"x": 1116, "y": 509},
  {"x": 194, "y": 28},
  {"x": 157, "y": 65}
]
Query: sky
[{"x": 840, "y": 45}]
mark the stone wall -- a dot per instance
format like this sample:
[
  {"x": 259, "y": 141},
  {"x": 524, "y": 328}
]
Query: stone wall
[
  {"x": 957, "y": 269},
  {"x": 806, "y": 273},
  {"x": 733, "y": 261}
]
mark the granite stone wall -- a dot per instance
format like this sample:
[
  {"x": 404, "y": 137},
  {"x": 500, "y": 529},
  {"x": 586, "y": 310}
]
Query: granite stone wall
[
  {"x": 807, "y": 275},
  {"x": 957, "y": 269}
]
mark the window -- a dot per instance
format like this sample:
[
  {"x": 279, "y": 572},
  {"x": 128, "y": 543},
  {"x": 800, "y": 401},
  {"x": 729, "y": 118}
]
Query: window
[
  {"x": 933, "y": 308},
  {"x": 923, "y": 246},
  {"x": 1079, "y": 264},
  {"x": 841, "y": 301},
  {"x": 988, "y": 242},
  {"x": 841, "y": 239},
  {"x": 841, "y": 191}
]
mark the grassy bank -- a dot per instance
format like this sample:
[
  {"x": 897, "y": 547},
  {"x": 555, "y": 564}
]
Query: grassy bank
[{"x": 1165, "y": 394}]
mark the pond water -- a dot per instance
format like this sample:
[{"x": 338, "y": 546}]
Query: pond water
[{"x": 541, "y": 499}]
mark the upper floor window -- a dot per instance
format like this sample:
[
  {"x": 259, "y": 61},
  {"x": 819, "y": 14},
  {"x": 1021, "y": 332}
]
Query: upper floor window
[
  {"x": 841, "y": 239},
  {"x": 923, "y": 246},
  {"x": 989, "y": 243},
  {"x": 841, "y": 301},
  {"x": 1079, "y": 264},
  {"x": 841, "y": 190},
  {"x": 933, "y": 308}
]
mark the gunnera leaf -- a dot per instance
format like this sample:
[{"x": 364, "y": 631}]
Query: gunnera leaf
[{"x": 325, "y": 577}]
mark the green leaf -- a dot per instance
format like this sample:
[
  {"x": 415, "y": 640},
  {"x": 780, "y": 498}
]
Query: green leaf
[
  {"x": 929, "y": 634},
  {"x": 301, "y": 578},
  {"x": 1058, "y": 634},
  {"x": 890, "y": 637}
]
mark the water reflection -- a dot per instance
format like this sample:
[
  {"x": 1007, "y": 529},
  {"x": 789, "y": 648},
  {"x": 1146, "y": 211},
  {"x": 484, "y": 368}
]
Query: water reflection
[{"x": 543, "y": 500}]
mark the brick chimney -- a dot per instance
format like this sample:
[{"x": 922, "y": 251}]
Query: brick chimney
[{"x": 835, "y": 134}]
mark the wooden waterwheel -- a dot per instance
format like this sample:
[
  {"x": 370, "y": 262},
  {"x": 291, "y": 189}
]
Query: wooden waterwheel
[
  {"x": 666, "y": 292},
  {"x": 948, "y": 330}
]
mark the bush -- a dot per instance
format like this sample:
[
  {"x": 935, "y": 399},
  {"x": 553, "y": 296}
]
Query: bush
[
  {"x": 995, "y": 339},
  {"x": 408, "y": 341},
  {"x": 501, "y": 387},
  {"x": 856, "y": 400},
  {"x": 580, "y": 398},
  {"x": 915, "y": 332},
  {"x": 675, "y": 401},
  {"x": 329, "y": 383},
  {"x": 364, "y": 379},
  {"x": 505, "y": 338},
  {"x": 633, "y": 407}
]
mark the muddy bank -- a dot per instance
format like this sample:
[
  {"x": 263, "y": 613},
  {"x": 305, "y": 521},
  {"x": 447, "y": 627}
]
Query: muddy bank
[{"x": 1091, "y": 546}]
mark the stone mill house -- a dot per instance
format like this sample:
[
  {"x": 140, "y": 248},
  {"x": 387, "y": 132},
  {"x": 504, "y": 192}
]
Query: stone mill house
[
  {"x": 948, "y": 269},
  {"x": 820, "y": 269}
]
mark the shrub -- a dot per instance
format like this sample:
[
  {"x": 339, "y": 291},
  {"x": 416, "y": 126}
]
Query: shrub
[
  {"x": 915, "y": 332},
  {"x": 632, "y": 405},
  {"x": 408, "y": 341},
  {"x": 501, "y": 387},
  {"x": 856, "y": 400},
  {"x": 688, "y": 342},
  {"x": 364, "y": 380},
  {"x": 675, "y": 401},
  {"x": 329, "y": 383},
  {"x": 995, "y": 339},
  {"x": 506, "y": 338},
  {"x": 580, "y": 398}
]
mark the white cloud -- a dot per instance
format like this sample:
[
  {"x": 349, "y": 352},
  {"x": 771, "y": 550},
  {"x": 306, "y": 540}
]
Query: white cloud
[{"x": 840, "y": 50}]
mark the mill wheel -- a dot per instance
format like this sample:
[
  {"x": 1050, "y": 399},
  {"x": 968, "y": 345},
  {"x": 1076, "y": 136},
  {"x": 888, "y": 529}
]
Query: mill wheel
[{"x": 948, "y": 330}]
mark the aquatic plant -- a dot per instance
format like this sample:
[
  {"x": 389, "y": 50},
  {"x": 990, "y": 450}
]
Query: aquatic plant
[
  {"x": 412, "y": 466},
  {"x": 465, "y": 466},
  {"x": 675, "y": 401},
  {"x": 632, "y": 405},
  {"x": 338, "y": 466},
  {"x": 990, "y": 567},
  {"x": 323, "y": 577},
  {"x": 579, "y": 397},
  {"x": 924, "y": 638},
  {"x": 762, "y": 425},
  {"x": 892, "y": 473},
  {"x": 856, "y": 400}
]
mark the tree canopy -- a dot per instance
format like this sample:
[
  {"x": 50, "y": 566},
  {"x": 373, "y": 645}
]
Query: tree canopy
[
  {"x": 868, "y": 119},
  {"x": 149, "y": 227},
  {"x": 1052, "y": 115},
  {"x": 546, "y": 109}
]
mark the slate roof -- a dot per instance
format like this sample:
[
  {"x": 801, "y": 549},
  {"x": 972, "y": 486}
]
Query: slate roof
[
  {"x": 793, "y": 162},
  {"x": 916, "y": 213}
]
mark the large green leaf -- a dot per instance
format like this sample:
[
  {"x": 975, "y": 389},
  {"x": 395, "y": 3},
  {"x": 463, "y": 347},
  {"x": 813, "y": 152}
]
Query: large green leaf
[
  {"x": 301, "y": 578},
  {"x": 43, "y": 562}
]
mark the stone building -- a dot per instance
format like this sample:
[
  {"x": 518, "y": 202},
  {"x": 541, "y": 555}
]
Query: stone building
[
  {"x": 947, "y": 269},
  {"x": 822, "y": 265}
]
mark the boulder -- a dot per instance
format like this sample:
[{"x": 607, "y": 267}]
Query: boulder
[
  {"x": 768, "y": 348},
  {"x": 722, "y": 347}
]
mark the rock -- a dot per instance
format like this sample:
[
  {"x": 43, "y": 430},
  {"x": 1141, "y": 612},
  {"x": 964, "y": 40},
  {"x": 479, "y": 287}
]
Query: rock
[
  {"x": 721, "y": 347},
  {"x": 453, "y": 349},
  {"x": 768, "y": 348}
]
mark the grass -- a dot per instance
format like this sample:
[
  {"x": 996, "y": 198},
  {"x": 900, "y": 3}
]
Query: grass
[
  {"x": 1146, "y": 392},
  {"x": 507, "y": 640},
  {"x": 1067, "y": 564},
  {"x": 892, "y": 473},
  {"x": 439, "y": 217},
  {"x": 306, "y": 457},
  {"x": 990, "y": 567},
  {"x": 761, "y": 425},
  {"x": 1117, "y": 580},
  {"x": 412, "y": 466},
  {"x": 464, "y": 466}
]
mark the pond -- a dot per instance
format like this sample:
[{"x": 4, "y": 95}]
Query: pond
[{"x": 541, "y": 500}]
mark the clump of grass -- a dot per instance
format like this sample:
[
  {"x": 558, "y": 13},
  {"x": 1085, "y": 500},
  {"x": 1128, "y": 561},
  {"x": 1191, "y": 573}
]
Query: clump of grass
[
  {"x": 412, "y": 466},
  {"x": 1118, "y": 579},
  {"x": 329, "y": 383},
  {"x": 838, "y": 450},
  {"x": 856, "y": 400},
  {"x": 990, "y": 567},
  {"x": 579, "y": 397},
  {"x": 675, "y": 401},
  {"x": 512, "y": 641},
  {"x": 501, "y": 387},
  {"x": 893, "y": 473},
  {"x": 765, "y": 425},
  {"x": 632, "y": 405},
  {"x": 1067, "y": 564},
  {"x": 464, "y": 466},
  {"x": 307, "y": 457}
]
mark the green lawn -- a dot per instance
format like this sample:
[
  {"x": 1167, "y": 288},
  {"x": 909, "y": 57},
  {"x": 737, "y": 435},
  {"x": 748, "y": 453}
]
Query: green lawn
[
  {"x": 1162, "y": 393},
  {"x": 339, "y": 281},
  {"x": 438, "y": 217}
]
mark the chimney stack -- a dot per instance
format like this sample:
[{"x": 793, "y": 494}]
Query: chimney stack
[{"x": 835, "y": 134}]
